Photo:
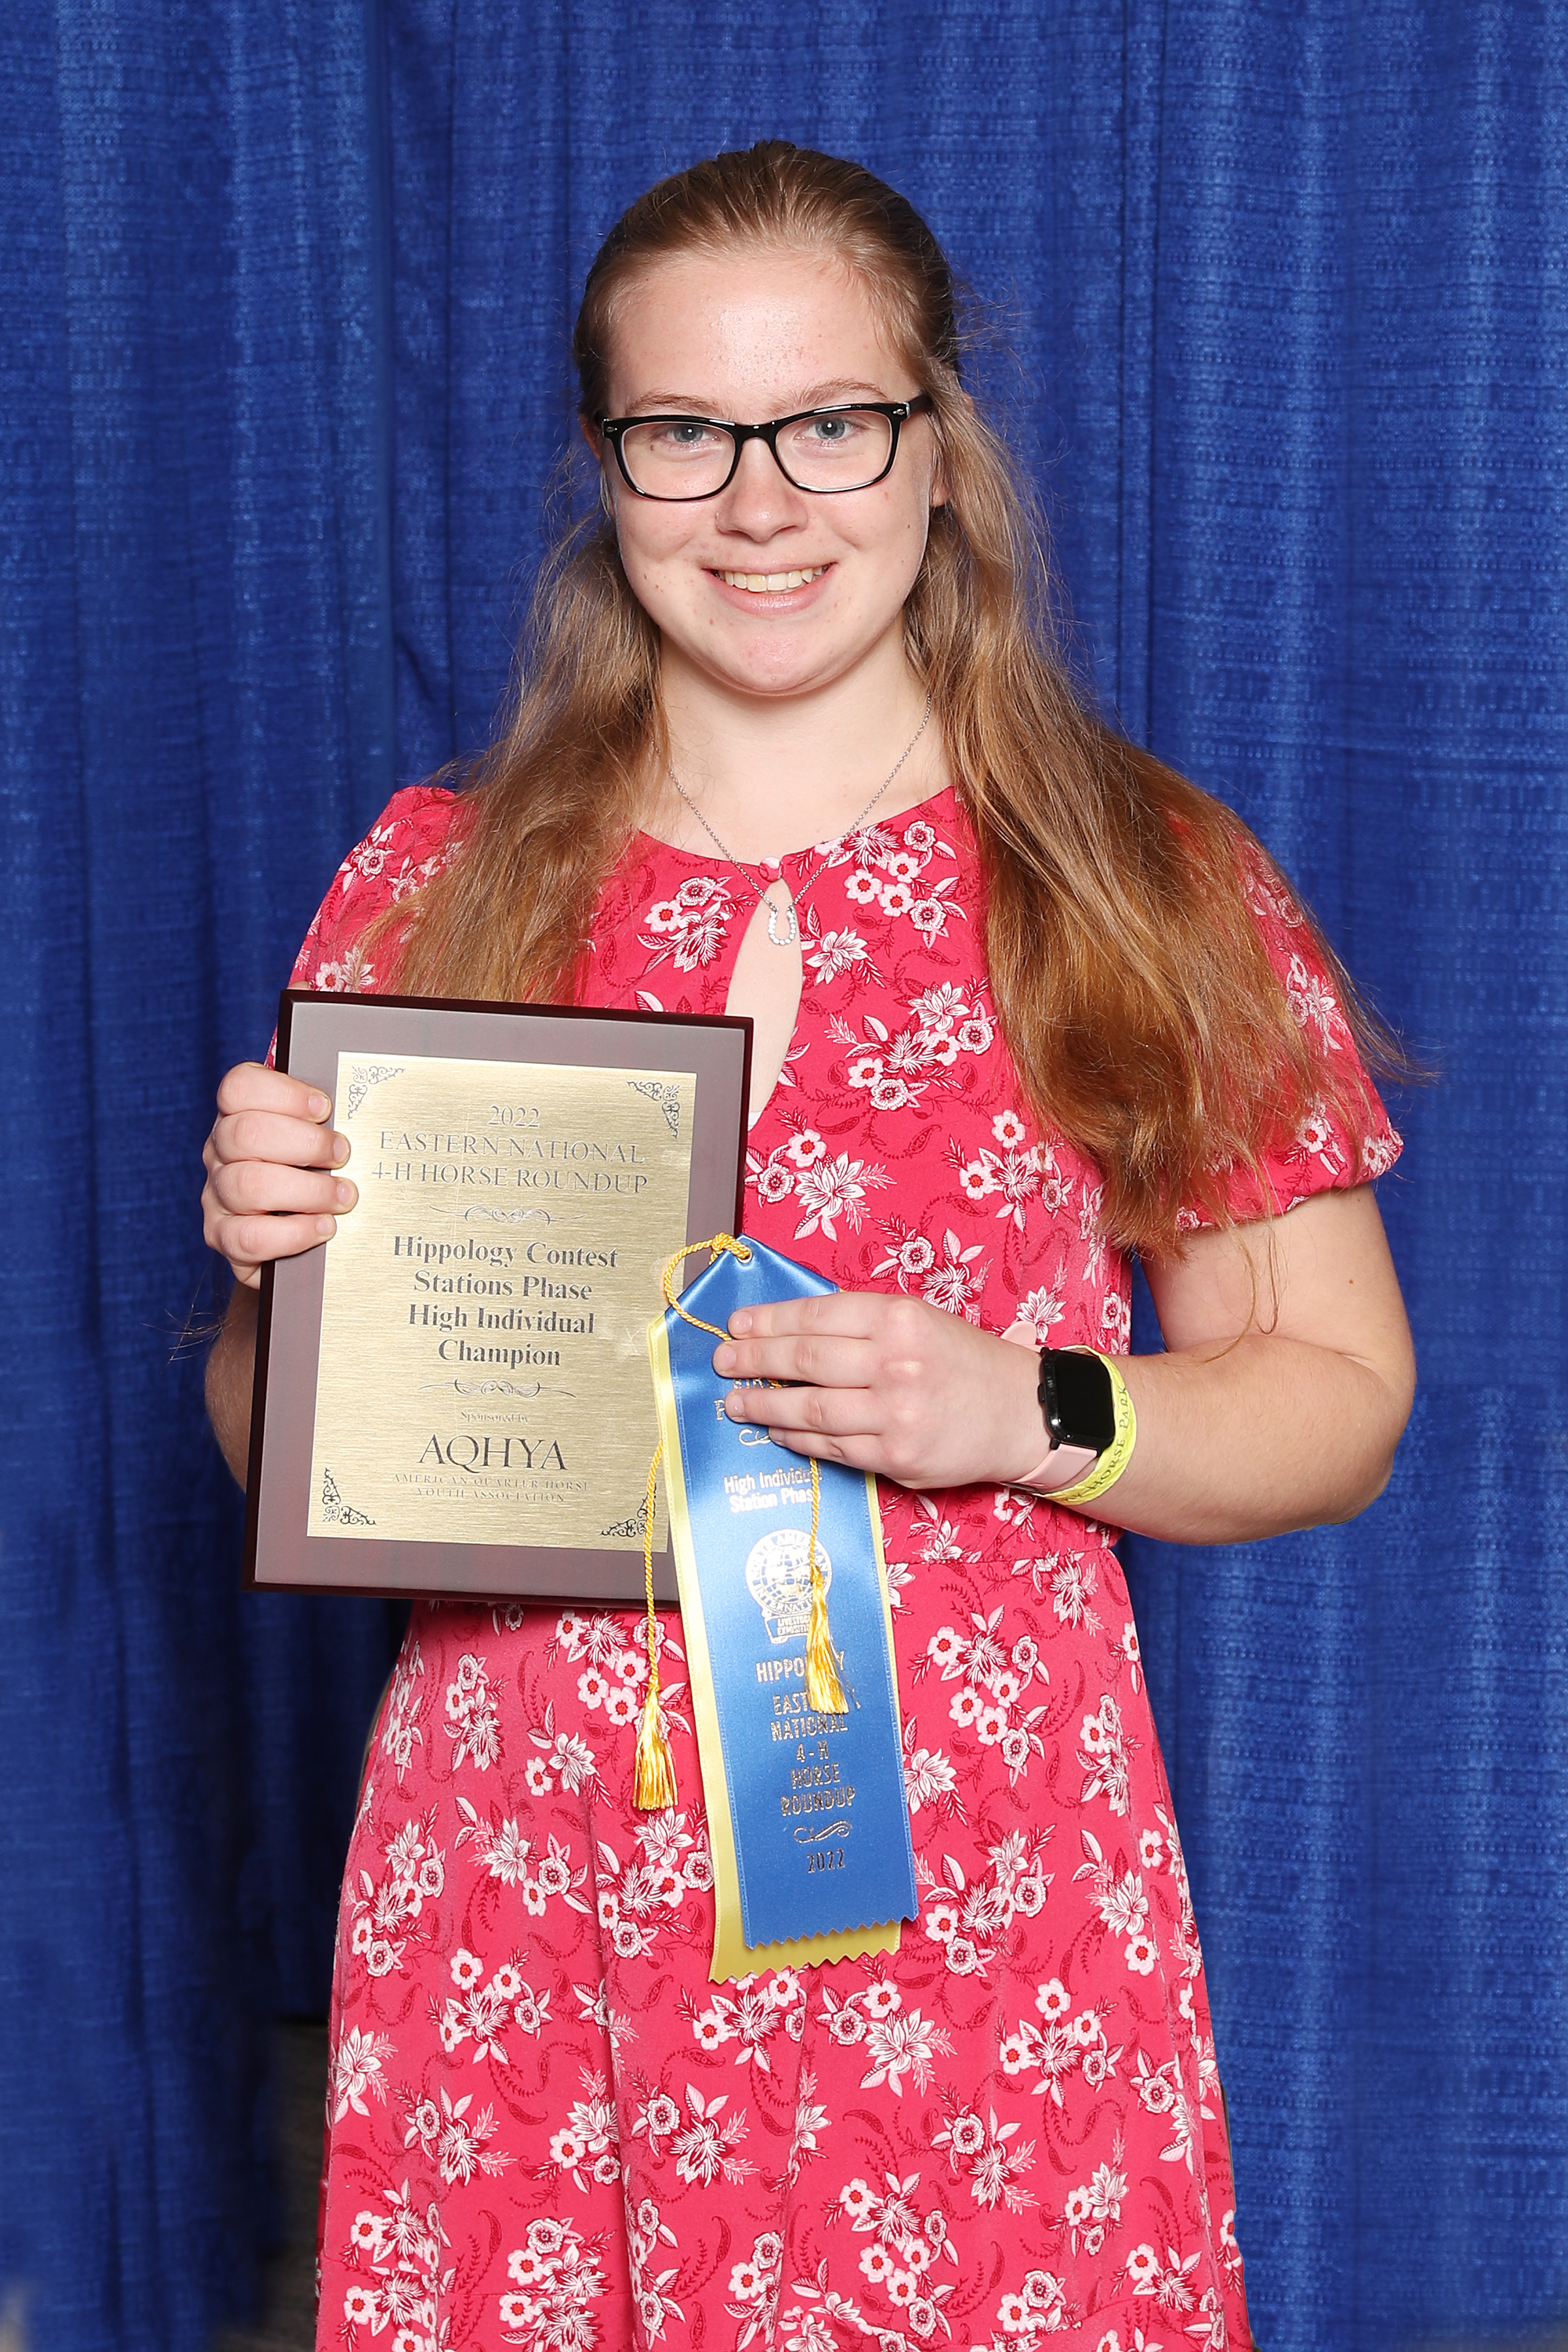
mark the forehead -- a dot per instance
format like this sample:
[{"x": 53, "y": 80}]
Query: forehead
[{"x": 728, "y": 331}]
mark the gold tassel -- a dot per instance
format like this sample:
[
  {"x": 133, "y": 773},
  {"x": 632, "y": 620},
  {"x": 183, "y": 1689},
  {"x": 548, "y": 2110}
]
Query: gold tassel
[
  {"x": 653, "y": 1785},
  {"x": 823, "y": 1691},
  {"x": 654, "y": 1790}
]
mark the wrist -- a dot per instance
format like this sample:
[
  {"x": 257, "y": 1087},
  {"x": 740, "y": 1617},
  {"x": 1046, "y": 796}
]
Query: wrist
[
  {"x": 1032, "y": 1459},
  {"x": 1084, "y": 1415},
  {"x": 1062, "y": 1467}
]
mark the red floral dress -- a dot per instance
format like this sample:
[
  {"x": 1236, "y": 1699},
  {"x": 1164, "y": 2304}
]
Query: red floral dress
[{"x": 546, "y": 2129}]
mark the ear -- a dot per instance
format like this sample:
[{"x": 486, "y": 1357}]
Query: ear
[
  {"x": 939, "y": 478},
  {"x": 595, "y": 441}
]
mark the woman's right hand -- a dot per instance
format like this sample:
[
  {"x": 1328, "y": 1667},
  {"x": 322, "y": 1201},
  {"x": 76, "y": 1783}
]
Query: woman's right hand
[{"x": 272, "y": 1189}]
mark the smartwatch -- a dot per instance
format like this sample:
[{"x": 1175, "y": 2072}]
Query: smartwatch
[{"x": 1077, "y": 1397}]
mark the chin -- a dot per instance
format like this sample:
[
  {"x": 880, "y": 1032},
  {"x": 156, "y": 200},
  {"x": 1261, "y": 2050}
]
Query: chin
[{"x": 780, "y": 683}]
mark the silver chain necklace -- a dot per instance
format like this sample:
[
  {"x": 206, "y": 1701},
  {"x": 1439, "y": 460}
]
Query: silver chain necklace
[{"x": 790, "y": 938}]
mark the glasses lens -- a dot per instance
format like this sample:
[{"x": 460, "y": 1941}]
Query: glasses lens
[
  {"x": 676, "y": 457},
  {"x": 835, "y": 449}
]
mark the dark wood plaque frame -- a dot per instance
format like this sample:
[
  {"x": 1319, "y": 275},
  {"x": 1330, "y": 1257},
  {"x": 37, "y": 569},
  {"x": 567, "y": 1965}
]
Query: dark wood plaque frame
[{"x": 312, "y": 1030}]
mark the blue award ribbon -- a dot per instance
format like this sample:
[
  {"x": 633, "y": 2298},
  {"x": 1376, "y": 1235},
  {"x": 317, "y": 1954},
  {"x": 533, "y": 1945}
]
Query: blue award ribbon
[{"x": 806, "y": 1811}]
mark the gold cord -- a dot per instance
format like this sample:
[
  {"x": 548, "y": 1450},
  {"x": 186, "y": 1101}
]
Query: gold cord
[
  {"x": 653, "y": 1788},
  {"x": 720, "y": 1242}
]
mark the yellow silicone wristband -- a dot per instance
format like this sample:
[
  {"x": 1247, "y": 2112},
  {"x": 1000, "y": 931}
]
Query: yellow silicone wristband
[{"x": 1117, "y": 1455}]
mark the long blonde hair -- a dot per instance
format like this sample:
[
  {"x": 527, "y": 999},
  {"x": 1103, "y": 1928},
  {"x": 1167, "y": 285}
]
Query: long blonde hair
[{"x": 1144, "y": 1018}]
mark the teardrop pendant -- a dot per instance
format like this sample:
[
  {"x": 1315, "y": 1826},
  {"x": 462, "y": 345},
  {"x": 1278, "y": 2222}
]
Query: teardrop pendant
[{"x": 790, "y": 938}]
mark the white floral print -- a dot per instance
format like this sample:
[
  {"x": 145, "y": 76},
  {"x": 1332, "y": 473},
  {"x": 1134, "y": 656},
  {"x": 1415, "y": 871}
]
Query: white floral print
[{"x": 550, "y": 2130}]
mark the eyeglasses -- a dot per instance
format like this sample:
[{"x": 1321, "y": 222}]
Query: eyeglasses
[{"x": 826, "y": 450}]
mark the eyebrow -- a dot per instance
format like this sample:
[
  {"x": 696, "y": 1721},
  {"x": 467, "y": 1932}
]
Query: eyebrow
[{"x": 816, "y": 395}]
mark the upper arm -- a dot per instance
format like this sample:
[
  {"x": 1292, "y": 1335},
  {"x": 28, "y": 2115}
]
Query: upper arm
[{"x": 1321, "y": 1275}]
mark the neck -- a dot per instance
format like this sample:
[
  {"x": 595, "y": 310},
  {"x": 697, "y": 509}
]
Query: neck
[{"x": 775, "y": 774}]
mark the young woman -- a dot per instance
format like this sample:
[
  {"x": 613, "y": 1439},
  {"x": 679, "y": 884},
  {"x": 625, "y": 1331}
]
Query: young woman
[{"x": 790, "y": 741}]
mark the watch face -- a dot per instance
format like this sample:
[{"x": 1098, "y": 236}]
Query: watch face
[{"x": 1085, "y": 1401}]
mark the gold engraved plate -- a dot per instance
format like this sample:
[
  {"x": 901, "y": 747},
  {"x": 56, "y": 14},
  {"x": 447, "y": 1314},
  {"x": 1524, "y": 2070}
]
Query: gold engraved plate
[{"x": 484, "y": 1368}]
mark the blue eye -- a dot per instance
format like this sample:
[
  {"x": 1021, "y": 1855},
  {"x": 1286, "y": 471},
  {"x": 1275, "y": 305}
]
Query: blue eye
[
  {"x": 835, "y": 433},
  {"x": 688, "y": 437}
]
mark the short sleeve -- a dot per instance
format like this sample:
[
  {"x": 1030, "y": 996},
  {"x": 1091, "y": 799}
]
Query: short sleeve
[
  {"x": 1346, "y": 1138},
  {"x": 411, "y": 840}
]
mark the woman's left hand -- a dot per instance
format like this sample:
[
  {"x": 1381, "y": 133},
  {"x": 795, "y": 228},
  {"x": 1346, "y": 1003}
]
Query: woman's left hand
[
  {"x": 887, "y": 1384},
  {"x": 1285, "y": 1382}
]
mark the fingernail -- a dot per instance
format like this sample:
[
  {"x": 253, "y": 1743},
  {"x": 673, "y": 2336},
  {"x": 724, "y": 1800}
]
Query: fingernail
[
  {"x": 340, "y": 1149},
  {"x": 326, "y": 1226},
  {"x": 741, "y": 1322},
  {"x": 347, "y": 1193},
  {"x": 320, "y": 1106},
  {"x": 724, "y": 1359}
]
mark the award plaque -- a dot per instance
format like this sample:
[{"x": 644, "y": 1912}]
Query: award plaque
[{"x": 452, "y": 1395}]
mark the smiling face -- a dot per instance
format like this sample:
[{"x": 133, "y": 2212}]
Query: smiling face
[{"x": 764, "y": 590}]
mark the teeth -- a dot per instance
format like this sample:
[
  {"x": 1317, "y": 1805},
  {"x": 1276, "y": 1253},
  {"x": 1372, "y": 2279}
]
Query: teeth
[{"x": 770, "y": 584}]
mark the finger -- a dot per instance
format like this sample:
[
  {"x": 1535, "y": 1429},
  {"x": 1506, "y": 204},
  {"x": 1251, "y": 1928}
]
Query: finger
[
  {"x": 254, "y": 1241},
  {"x": 251, "y": 1086},
  {"x": 244, "y": 1187},
  {"x": 856, "y": 1454},
  {"x": 844, "y": 1314},
  {"x": 821, "y": 1360},
  {"x": 827, "y": 1412},
  {"x": 291, "y": 1141},
  {"x": 858, "y": 1450}
]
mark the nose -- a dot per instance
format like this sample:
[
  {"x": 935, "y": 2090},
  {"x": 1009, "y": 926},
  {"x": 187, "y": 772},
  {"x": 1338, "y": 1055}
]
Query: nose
[{"x": 759, "y": 502}]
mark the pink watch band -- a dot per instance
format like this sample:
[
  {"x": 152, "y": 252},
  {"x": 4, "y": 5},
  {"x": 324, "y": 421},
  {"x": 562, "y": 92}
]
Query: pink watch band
[{"x": 1069, "y": 1461}]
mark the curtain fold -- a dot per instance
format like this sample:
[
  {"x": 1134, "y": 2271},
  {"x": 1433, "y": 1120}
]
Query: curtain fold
[
  {"x": 196, "y": 709},
  {"x": 1274, "y": 307}
]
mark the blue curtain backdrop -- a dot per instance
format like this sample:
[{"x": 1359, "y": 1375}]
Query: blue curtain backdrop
[{"x": 284, "y": 295}]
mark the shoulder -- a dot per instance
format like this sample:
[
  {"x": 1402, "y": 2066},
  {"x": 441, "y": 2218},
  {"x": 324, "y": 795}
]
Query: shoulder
[
  {"x": 411, "y": 840},
  {"x": 1343, "y": 1135},
  {"x": 1318, "y": 1122},
  {"x": 1269, "y": 908},
  {"x": 1303, "y": 962}
]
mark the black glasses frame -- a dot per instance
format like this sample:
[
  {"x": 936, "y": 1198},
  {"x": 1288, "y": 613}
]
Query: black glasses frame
[{"x": 897, "y": 412}]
